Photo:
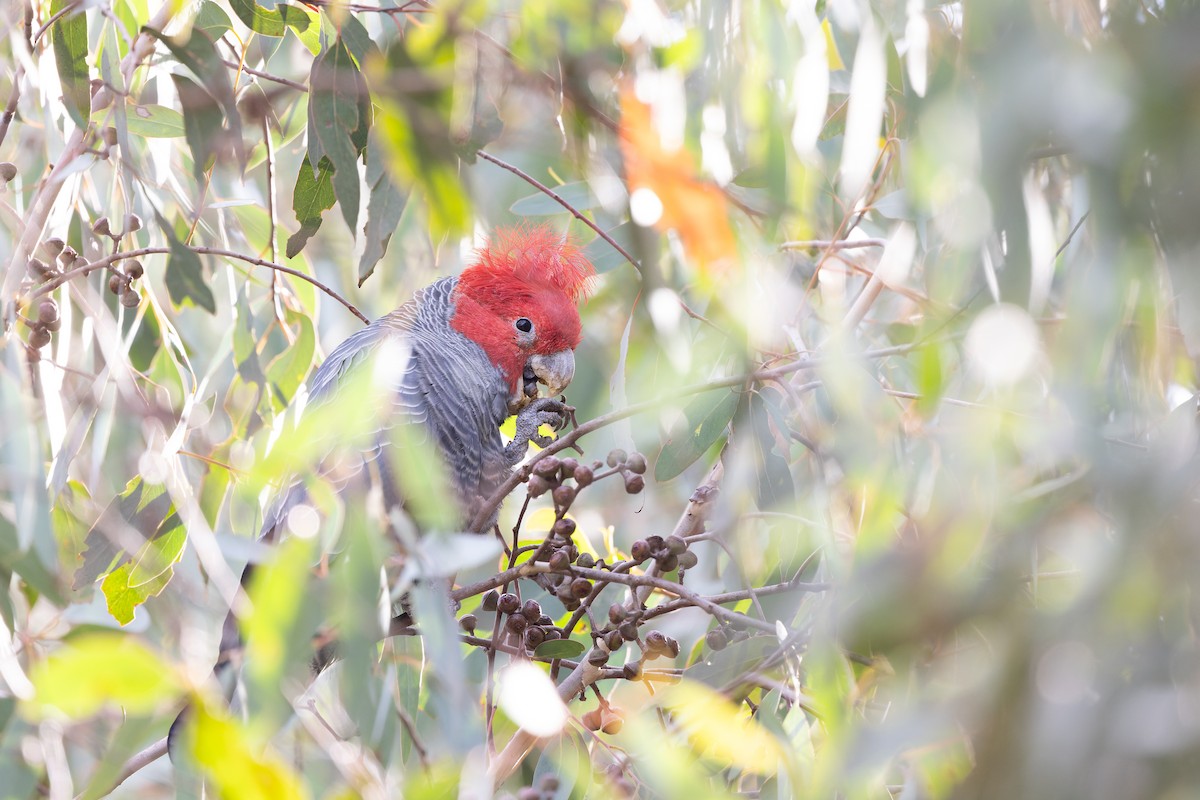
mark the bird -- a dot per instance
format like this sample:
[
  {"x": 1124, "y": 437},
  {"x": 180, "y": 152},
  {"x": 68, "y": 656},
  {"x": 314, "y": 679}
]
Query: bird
[{"x": 455, "y": 361}]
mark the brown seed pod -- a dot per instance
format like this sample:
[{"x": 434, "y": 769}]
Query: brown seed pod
[
  {"x": 586, "y": 560},
  {"x": 531, "y": 610},
  {"x": 133, "y": 223},
  {"x": 534, "y": 636},
  {"x": 516, "y": 623},
  {"x": 591, "y": 720},
  {"x": 668, "y": 563},
  {"x": 716, "y": 639},
  {"x": 8, "y": 171},
  {"x": 547, "y": 467},
  {"x": 639, "y": 551},
  {"x": 632, "y": 670},
  {"x": 490, "y": 600},
  {"x": 583, "y": 475},
  {"x": 39, "y": 337},
  {"x": 581, "y": 588},
  {"x": 611, "y": 719},
  {"x": 110, "y": 136},
  {"x": 101, "y": 228},
  {"x": 568, "y": 466},
  {"x": 563, "y": 528},
  {"x": 47, "y": 312},
  {"x": 597, "y": 657},
  {"x": 634, "y": 483},
  {"x": 133, "y": 268},
  {"x": 508, "y": 603},
  {"x": 552, "y": 633},
  {"x": 656, "y": 543},
  {"x": 564, "y": 496},
  {"x": 672, "y": 647},
  {"x": 52, "y": 247},
  {"x": 675, "y": 544},
  {"x": 544, "y": 620},
  {"x": 559, "y": 561},
  {"x": 537, "y": 486},
  {"x": 616, "y": 456},
  {"x": 130, "y": 298},
  {"x": 468, "y": 622},
  {"x": 656, "y": 642},
  {"x": 616, "y": 613},
  {"x": 38, "y": 268},
  {"x": 688, "y": 560},
  {"x": 636, "y": 463},
  {"x": 629, "y": 631},
  {"x": 614, "y": 640}
]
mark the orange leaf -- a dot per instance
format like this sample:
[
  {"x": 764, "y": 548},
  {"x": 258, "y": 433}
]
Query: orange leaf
[{"x": 695, "y": 208}]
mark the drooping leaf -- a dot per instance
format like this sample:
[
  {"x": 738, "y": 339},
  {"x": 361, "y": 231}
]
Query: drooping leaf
[
  {"x": 775, "y": 487},
  {"x": 69, "y": 39},
  {"x": 337, "y": 93},
  {"x": 185, "y": 278},
  {"x": 101, "y": 670},
  {"x": 703, "y": 422},
  {"x": 311, "y": 197},
  {"x": 201, "y": 123},
  {"x": 384, "y": 209},
  {"x": 271, "y": 21},
  {"x": 199, "y": 54}
]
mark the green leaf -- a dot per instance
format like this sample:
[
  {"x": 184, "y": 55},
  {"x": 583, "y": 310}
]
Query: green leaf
[
  {"x": 384, "y": 210},
  {"x": 150, "y": 121},
  {"x": 337, "y": 96},
  {"x": 271, "y": 22},
  {"x": 604, "y": 256},
  {"x": 286, "y": 372},
  {"x": 212, "y": 19},
  {"x": 311, "y": 197},
  {"x": 69, "y": 39},
  {"x": 101, "y": 670},
  {"x": 199, "y": 54},
  {"x": 560, "y": 648},
  {"x": 578, "y": 194},
  {"x": 201, "y": 123},
  {"x": 185, "y": 278},
  {"x": 775, "y": 488},
  {"x": 704, "y": 421}
]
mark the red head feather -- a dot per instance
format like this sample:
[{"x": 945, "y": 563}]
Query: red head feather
[{"x": 531, "y": 272}]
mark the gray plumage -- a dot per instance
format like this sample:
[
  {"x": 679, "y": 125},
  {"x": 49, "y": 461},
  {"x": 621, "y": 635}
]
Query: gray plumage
[{"x": 448, "y": 389}]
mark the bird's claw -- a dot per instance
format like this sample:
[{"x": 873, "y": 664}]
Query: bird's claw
[{"x": 543, "y": 411}]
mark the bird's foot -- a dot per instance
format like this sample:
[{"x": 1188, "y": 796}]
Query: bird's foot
[{"x": 543, "y": 411}]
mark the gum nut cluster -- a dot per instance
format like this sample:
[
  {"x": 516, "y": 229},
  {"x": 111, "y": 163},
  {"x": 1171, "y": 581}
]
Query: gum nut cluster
[
  {"x": 605, "y": 718},
  {"x": 546, "y": 788},
  {"x": 523, "y": 621},
  {"x": 669, "y": 554}
]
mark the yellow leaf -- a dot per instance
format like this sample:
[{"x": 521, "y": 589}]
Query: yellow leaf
[
  {"x": 831, "y": 48},
  {"x": 721, "y": 731},
  {"x": 222, "y": 749},
  {"x": 100, "y": 670}
]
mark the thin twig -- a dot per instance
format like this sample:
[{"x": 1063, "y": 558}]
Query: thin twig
[
  {"x": 541, "y": 187},
  {"x": 107, "y": 261},
  {"x": 266, "y": 76},
  {"x": 569, "y": 439},
  {"x": 10, "y": 110},
  {"x": 830, "y": 245},
  {"x": 139, "y": 761}
]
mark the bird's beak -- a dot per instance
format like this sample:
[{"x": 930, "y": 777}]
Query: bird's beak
[{"x": 555, "y": 370}]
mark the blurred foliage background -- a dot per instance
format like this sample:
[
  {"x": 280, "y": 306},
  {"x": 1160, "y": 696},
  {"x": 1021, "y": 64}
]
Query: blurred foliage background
[{"x": 914, "y": 284}]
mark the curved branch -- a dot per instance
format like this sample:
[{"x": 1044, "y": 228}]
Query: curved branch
[{"x": 108, "y": 261}]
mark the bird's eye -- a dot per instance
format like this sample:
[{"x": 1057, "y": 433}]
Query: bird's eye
[{"x": 524, "y": 325}]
